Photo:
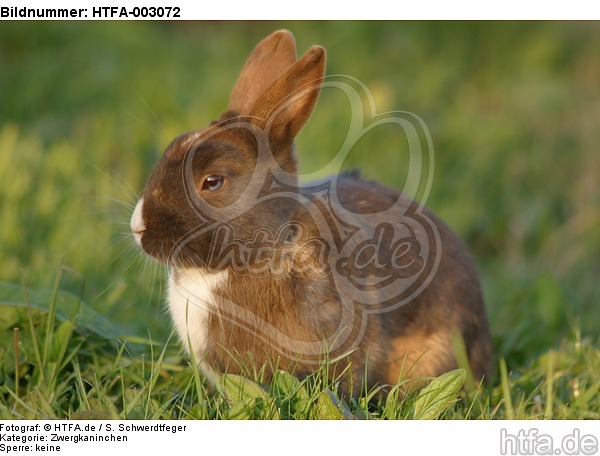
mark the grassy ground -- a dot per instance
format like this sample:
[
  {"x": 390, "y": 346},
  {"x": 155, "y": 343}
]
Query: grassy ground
[{"x": 86, "y": 109}]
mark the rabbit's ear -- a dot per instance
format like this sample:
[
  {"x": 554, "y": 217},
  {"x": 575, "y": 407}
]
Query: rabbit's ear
[
  {"x": 288, "y": 103},
  {"x": 271, "y": 58}
]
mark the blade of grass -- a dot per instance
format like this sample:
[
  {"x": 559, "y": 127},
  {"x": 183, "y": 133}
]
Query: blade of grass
[
  {"x": 155, "y": 369},
  {"x": 51, "y": 316},
  {"x": 36, "y": 345},
  {"x": 16, "y": 348},
  {"x": 549, "y": 388},
  {"x": 80, "y": 387},
  {"x": 24, "y": 404},
  {"x": 462, "y": 359},
  {"x": 508, "y": 406}
]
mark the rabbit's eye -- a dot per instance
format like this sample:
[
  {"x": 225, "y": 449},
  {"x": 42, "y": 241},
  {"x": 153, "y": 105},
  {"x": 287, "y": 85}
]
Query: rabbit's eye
[{"x": 212, "y": 183}]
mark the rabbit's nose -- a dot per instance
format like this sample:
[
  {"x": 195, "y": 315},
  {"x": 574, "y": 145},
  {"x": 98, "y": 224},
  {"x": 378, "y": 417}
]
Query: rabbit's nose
[{"x": 137, "y": 222}]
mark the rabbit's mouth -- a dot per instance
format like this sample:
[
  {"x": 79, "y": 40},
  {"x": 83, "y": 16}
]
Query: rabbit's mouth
[
  {"x": 147, "y": 237},
  {"x": 159, "y": 233},
  {"x": 138, "y": 226}
]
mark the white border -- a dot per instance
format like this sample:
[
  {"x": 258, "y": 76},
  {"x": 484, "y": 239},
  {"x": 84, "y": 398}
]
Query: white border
[
  {"x": 304, "y": 438},
  {"x": 348, "y": 10}
]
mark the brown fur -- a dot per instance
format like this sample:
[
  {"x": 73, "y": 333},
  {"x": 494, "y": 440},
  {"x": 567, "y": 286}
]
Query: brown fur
[{"x": 278, "y": 321}]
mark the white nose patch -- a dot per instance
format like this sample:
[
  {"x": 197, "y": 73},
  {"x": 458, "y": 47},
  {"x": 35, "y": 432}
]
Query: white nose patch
[{"x": 137, "y": 222}]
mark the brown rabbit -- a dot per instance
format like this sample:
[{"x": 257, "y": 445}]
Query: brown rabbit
[{"x": 264, "y": 272}]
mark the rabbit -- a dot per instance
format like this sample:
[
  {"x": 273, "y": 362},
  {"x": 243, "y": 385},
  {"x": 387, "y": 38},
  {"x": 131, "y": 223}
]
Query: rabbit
[{"x": 265, "y": 274}]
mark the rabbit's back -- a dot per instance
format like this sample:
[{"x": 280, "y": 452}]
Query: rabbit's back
[{"x": 419, "y": 334}]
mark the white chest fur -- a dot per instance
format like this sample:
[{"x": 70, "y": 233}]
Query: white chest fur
[{"x": 191, "y": 298}]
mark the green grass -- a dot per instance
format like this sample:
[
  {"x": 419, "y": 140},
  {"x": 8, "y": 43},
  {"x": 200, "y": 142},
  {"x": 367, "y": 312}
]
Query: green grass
[{"x": 86, "y": 109}]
